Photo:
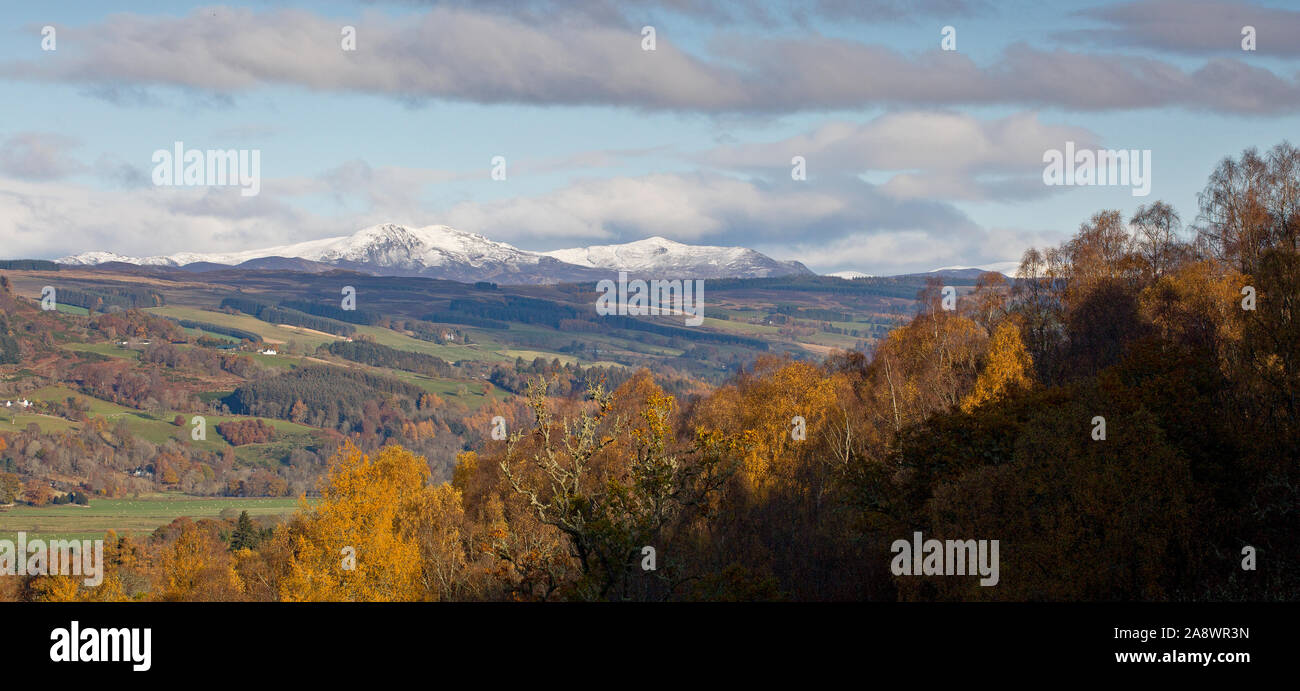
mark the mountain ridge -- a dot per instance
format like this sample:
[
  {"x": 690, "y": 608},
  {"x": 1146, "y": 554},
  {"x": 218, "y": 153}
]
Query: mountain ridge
[{"x": 439, "y": 251}]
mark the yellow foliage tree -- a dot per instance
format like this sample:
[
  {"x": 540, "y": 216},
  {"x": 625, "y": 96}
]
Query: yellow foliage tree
[
  {"x": 763, "y": 407},
  {"x": 110, "y": 590},
  {"x": 439, "y": 517},
  {"x": 198, "y": 568},
  {"x": 1007, "y": 365},
  {"x": 359, "y": 542},
  {"x": 55, "y": 588},
  {"x": 1199, "y": 305},
  {"x": 926, "y": 366}
]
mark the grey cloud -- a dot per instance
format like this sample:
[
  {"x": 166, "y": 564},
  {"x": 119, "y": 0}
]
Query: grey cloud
[
  {"x": 444, "y": 54},
  {"x": 121, "y": 173},
  {"x": 760, "y": 12},
  {"x": 390, "y": 189},
  {"x": 125, "y": 95},
  {"x": 39, "y": 156},
  {"x": 599, "y": 158},
  {"x": 225, "y": 205},
  {"x": 450, "y": 54},
  {"x": 1192, "y": 27}
]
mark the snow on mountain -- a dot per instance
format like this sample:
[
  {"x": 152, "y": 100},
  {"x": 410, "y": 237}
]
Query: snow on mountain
[
  {"x": 657, "y": 256},
  {"x": 93, "y": 258},
  {"x": 387, "y": 245},
  {"x": 443, "y": 252},
  {"x": 450, "y": 253}
]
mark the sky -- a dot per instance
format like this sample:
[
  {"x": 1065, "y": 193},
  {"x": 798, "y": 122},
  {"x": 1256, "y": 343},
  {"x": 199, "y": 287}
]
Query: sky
[{"x": 915, "y": 157}]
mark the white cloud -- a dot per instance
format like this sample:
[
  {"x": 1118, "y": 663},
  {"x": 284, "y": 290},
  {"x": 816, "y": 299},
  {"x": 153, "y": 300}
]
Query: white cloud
[{"x": 935, "y": 155}]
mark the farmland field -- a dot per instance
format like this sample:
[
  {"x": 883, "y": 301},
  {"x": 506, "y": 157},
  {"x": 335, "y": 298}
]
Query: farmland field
[
  {"x": 108, "y": 349},
  {"x": 271, "y": 333},
  {"x": 136, "y": 516}
]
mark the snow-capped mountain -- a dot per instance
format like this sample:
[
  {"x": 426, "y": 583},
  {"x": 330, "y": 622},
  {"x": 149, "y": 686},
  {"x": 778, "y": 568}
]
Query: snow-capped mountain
[
  {"x": 848, "y": 275},
  {"x": 443, "y": 252},
  {"x": 663, "y": 257},
  {"x": 93, "y": 258}
]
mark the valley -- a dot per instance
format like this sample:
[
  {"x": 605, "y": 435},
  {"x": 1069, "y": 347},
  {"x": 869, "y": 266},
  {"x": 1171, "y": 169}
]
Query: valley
[{"x": 146, "y": 351}]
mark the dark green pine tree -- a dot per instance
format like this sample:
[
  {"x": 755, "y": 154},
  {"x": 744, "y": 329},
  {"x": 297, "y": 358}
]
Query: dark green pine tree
[
  {"x": 9, "y": 352},
  {"x": 246, "y": 534}
]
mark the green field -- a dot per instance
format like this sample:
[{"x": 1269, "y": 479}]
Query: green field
[
  {"x": 271, "y": 333},
  {"x": 109, "y": 349},
  {"x": 447, "y": 388},
  {"x": 158, "y": 428},
  {"x": 71, "y": 309},
  {"x": 200, "y": 333},
  {"x": 530, "y": 355},
  {"x": 450, "y": 353},
  {"x": 276, "y": 361},
  {"x": 509, "y": 340},
  {"x": 740, "y": 327},
  {"x": 490, "y": 346},
  {"x": 137, "y": 516},
  {"x": 15, "y": 422},
  {"x": 61, "y": 394}
]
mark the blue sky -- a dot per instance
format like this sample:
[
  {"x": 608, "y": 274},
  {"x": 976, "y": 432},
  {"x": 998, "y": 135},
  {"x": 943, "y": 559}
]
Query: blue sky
[{"x": 916, "y": 157}]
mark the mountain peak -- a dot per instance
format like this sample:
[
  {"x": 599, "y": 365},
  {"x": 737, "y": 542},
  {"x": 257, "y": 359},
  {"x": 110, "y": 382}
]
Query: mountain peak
[
  {"x": 659, "y": 256},
  {"x": 658, "y": 240}
]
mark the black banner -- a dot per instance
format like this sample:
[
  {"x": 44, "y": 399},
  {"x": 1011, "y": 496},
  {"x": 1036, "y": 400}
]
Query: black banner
[{"x": 524, "y": 643}]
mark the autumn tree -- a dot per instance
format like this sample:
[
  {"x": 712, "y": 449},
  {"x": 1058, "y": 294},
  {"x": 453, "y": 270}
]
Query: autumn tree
[
  {"x": 1250, "y": 205},
  {"x": 927, "y": 365},
  {"x": 439, "y": 530},
  {"x": 1007, "y": 366},
  {"x": 49, "y": 588},
  {"x": 1157, "y": 244},
  {"x": 614, "y": 484},
  {"x": 197, "y": 567},
  {"x": 358, "y": 543},
  {"x": 11, "y": 487},
  {"x": 299, "y": 413},
  {"x": 987, "y": 304}
]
